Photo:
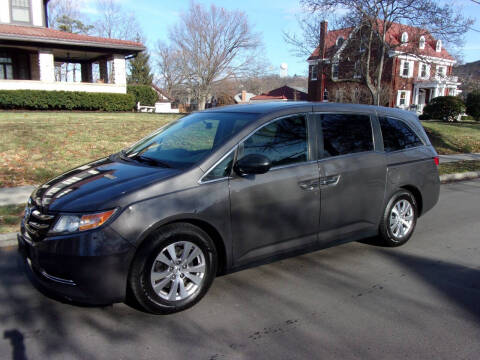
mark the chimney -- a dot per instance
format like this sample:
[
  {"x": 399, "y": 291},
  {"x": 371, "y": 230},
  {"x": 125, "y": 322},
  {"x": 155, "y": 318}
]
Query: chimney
[
  {"x": 244, "y": 96},
  {"x": 323, "y": 37}
]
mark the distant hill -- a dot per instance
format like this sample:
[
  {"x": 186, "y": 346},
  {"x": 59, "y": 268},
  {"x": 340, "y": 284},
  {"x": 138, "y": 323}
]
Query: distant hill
[
  {"x": 468, "y": 71},
  {"x": 469, "y": 75}
]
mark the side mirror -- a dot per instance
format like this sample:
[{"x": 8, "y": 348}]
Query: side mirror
[{"x": 252, "y": 164}]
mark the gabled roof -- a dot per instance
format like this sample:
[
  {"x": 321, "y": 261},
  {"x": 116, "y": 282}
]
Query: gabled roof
[
  {"x": 394, "y": 35},
  {"x": 282, "y": 93},
  {"x": 51, "y": 36},
  {"x": 331, "y": 42}
]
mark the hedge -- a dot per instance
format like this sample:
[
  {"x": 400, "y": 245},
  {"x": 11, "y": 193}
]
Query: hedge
[
  {"x": 143, "y": 94},
  {"x": 64, "y": 100},
  {"x": 446, "y": 108}
]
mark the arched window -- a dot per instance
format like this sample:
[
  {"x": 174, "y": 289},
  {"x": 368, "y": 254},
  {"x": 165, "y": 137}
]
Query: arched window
[
  {"x": 439, "y": 45},
  {"x": 340, "y": 41},
  {"x": 422, "y": 42},
  {"x": 404, "y": 38}
]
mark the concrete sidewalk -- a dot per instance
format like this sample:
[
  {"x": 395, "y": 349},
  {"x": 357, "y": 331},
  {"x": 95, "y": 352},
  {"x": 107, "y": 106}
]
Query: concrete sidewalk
[
  {"x": 458, "y": 157},
  {"x": 15, "y": 195}
]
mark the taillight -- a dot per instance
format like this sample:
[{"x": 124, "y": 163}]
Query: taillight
[{"x": 437, "y": 160}]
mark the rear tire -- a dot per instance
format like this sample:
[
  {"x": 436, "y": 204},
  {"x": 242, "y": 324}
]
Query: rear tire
[
  {"x": 173, "y": 269},
  {"x": 399, "y": 219}
]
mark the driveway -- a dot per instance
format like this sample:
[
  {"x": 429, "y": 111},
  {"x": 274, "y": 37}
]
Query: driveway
[{"x": 355, "y": 301}]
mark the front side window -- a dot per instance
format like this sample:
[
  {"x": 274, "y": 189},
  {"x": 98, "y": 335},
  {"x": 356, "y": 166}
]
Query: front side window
[
  {"x": 346, "y": 134},
  {"x": 283, "y": 141},
  {"x": 6, "y": 67},
  {"x": 222, "y": 170},
  {"x": 21, "y": 11},
  {"x": 189, "y": 140},
  {"x": 397, "y": 135}
]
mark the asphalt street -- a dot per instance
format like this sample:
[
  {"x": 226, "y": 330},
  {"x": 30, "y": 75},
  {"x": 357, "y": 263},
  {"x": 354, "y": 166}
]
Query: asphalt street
[{"x": 355, "y": 301}]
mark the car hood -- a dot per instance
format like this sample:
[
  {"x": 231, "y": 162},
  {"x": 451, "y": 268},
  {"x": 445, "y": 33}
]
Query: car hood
[{"x": 96, "y": 185}]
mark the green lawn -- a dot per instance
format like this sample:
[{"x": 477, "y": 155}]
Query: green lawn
[
  {"x": 459, "y": 167},
  {"x": 454, "y": 138},
  {"x": 35, "y": 146}
]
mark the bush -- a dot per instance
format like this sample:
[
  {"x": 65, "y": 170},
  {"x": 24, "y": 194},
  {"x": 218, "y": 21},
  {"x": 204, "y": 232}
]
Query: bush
[
  {"x": 64, "y": 100},
  {"x": 424, "y": 117},
  {"x": 473, "y": 104},
  {"x": 446, "y": 108},
  {"x": 143, "y": 94}
]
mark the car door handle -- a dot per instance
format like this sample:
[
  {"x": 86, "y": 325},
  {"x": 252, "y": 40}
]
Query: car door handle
[
  {"x": 330, "y": 180},
  {"x": 309, "y": 185}
]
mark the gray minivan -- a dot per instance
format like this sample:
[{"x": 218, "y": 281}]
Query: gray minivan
[{"x": 223, "y": 189}]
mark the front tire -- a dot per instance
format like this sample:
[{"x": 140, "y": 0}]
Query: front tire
[
  {"x": 399, "y": 219},
  {"x": 173, "y": 269}
]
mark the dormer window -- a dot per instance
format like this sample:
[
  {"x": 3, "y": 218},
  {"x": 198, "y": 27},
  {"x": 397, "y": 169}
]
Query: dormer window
[
  {"x": 21, "y": 11},
  {"x": 340, "y": 41},
  {"x": 422, "y": 42},
  {"x": 404, "y": 38},
  {"x": 439, "y": 46}
]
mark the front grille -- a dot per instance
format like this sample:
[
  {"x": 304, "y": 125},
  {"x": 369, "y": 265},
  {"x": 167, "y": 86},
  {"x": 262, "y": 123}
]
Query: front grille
[{"x": 36, "y": 222}]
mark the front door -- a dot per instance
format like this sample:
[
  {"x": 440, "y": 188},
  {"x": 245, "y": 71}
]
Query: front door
[
  {"x": 352, "y": 177},
  {"x": 279, "y": 210}
]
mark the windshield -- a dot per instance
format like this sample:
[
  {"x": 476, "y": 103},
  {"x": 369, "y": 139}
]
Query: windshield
[{"x": 190, "y": 139}]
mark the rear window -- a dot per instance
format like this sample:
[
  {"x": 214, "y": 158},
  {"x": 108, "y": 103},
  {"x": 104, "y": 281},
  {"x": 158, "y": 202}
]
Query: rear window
[
  {"x": 346, "y": 134},
  {"x": 397, "y": 135}
]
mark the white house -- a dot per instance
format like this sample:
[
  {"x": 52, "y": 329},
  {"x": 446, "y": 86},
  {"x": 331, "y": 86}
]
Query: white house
[{"x": 31, "y": 53}]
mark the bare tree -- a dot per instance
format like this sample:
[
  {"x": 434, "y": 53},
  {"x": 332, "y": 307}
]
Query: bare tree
[
  {"x": 214, "y": 44},
  {"x": 169, "y": 65},
  {"x": 114, "y": 22},
  {"x": 373, "y": 19}
]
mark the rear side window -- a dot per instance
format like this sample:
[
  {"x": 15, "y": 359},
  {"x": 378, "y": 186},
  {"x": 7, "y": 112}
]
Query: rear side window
[
  {"x": 346, "y": 134},
  {"x": 283, "y": 141},
  {"x": 397, "y": 135}
]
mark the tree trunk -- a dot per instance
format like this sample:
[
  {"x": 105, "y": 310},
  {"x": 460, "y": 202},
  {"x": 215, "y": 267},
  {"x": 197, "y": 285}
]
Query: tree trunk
[
  {"x": 368, "y": 79},
  {"x": 377, "y": 98},
  {"x": 202, "y": 100}
]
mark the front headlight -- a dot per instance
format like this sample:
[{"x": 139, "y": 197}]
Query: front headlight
[{"x": 74, "y": 223}]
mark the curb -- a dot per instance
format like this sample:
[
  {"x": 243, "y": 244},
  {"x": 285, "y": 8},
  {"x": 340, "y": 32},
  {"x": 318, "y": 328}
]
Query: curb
[
  {"x": 10, "y": 239},
  {"x": 447, "y": 178}
]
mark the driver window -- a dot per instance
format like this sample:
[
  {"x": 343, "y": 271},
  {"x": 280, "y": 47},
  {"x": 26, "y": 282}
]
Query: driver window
[{"x": 283, "y": 141}]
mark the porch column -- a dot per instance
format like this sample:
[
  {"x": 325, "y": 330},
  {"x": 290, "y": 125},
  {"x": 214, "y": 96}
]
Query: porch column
[
  {"x": 415, "y": 95},
  {"x": 47, "y": 65},
  {"x": 103, "y": 70},
  {"x": 119, "y": 70},
  {"x": 87, "y": 72}
]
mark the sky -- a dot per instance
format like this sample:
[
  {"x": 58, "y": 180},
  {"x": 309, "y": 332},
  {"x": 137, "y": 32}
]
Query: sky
[{"x": 269, "y": 18}]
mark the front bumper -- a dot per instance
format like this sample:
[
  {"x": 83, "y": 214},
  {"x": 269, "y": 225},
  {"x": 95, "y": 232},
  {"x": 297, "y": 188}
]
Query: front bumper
[{"x": 90, "y": 267}]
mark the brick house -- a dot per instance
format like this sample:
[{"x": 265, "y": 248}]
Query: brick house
[
  {"x": 417, "y": 68},
  {"x": 31, "y": 54},
  {"x": 284, "y": 93}
]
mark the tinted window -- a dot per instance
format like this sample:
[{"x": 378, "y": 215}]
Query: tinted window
[
  {"x": 283, "y": 141},
  {"x": 397, "y": 135},
  {"x": 346, "y": 134},
  {"x": 223, "y": 169}
]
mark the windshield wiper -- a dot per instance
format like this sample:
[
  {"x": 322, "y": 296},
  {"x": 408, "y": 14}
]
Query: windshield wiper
[
  {"x": 123, "y": 155},
  {"x": 152, "y": 161}
]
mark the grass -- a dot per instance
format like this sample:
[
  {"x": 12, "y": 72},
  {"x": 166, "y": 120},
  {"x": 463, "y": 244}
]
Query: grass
[
  {"x": 459, "y": 167},
  {"x": 10, "y": 218},
  {"x": 454, "y": 138},
  {"x": 35, "y": 146}
]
